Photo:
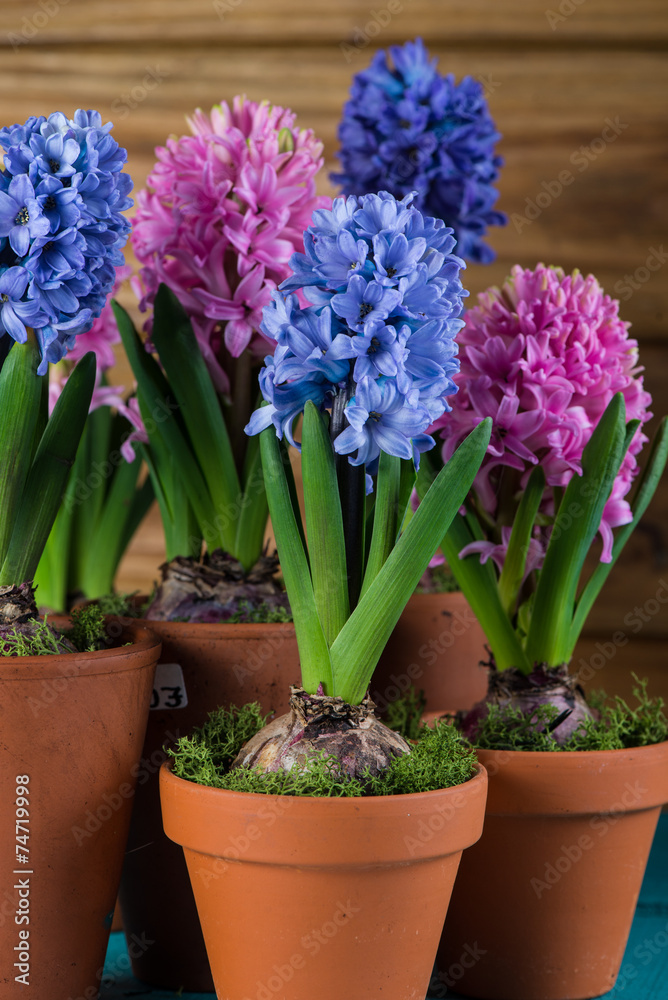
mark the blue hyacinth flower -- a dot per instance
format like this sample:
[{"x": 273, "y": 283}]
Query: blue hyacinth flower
[{"x": 408, "y": 128}]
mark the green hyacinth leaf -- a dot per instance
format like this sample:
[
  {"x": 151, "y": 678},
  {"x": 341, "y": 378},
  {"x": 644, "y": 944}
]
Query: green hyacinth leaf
[
  {"x": 20, "y": 396},
  {"x": 512, "y": 575},
  {"x": 479, "y": 585},
  {"x": 189, "y": 380},
  {"x": 324, "y": 524},
  {"x": 48, "y": 474},
  {"x": 173, "y": 455},
  {"x": 314, "y": 654},
  {"x": 576, "y": 523},
  {"x": 254, "y": 510},
  {"x": 358, "y": 646},
  {"x": 647, "y": 483},
  {"x": 385, "y": 518}
]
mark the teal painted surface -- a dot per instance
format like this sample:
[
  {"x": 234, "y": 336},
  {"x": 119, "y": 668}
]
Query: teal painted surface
[{"x": 643, "y": 976}]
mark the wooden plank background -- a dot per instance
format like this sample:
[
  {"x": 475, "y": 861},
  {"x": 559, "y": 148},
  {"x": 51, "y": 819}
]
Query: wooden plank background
[{"x": 556, "y": 72}]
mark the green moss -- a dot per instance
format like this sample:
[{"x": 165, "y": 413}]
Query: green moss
[
  {"x": 507, "y": 728},
  {"x": 264, "y": 612},
  {"x": 439, "y": 580},
  {"x": 123, "y": 605},
  {"x": 212, "y": 747},
  {"x": 43, "y": 641},
  {"x": 622, "y": 726},
  {"x": 440, "y": 759},
  {"x": 619, "y": 726},
  {"x": 88, "y": 632},
  {"x": 405, "y": 714}
]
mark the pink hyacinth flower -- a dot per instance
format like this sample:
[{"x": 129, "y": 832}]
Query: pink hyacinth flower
[
  {"x": 543, "y": 356},
  {"x": 223, "y": 211},
  {"x": 497, "y": 553}
]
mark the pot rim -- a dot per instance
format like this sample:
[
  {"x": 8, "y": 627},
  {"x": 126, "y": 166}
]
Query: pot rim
[
  {"x": 576, "y": 782},
  {"x": 206, "y": 630},
  {"x": 215, "y": 630},
  {"x": 342, "y": 802},
  {"x": 137, "y": 641},
  {"x": 561, "y": 755},
  {"x": 207, "y": 820}
]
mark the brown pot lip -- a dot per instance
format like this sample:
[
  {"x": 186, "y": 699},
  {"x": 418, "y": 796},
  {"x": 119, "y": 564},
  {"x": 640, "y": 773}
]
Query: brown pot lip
[
  {"x": 215, "y": 630},
  {"x": 577, "y": 782},
  {"x": 337, "y": 803},
  {"x": 389, "y": 829},
  {"x": 145, "y": 646},
  {"x": 446, "y": 597},
  {"x": 558, "y": 756},
  {"x": 208, "y": 630}
]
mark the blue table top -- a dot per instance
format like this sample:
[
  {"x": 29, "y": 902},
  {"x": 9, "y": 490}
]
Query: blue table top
[{"x": 643, "y": 976}]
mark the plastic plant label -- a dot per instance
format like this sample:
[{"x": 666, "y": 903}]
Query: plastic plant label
[{"x": 169, "y": 689}]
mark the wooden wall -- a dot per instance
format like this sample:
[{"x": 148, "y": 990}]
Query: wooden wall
[{"x": 557, "y": 74}]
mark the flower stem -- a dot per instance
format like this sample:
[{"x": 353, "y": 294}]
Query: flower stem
[
  {"x": 352, "y": 493},
  {"x": 242, "y": 404}
]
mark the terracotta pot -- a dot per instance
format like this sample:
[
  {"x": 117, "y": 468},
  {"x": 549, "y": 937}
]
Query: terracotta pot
[
  {"x": 220, "y": 665},
  {"x": 316, "y": 897},
  {"x": 71, "y": 733},
  {"x": 544, "y": 902},
  {"x": 437, "y": 645}
]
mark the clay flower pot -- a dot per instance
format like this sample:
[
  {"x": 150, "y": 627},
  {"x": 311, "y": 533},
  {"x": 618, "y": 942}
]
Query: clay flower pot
[
  {"x": 322, "y": 897},
  {"x": 548, "y": 894},
  {"x": 202, "y": 666},
  {"x": 72, "y": 727},
  {"x": 437, "y": 645}
]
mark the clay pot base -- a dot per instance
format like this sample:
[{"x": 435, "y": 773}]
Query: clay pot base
[
  {"x": 73, "y": 724},
  {"x": 331, "y": 897},
  {"x": 221, "y": 665},
  {"x": 547, "y": 895}
]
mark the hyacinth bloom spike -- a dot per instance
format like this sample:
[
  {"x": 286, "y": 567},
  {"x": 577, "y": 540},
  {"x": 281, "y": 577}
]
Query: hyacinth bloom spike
[
  {"x": 358, "y": 339},
  {"x": 222, "y": 212},
  {"x": 408, "y": 128},
  {"x": 550, "y": 361},
  {"x": 543, "y": 356},
  {"x": 62, "y": 192},
  {"x": 370, "y": 376}
]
